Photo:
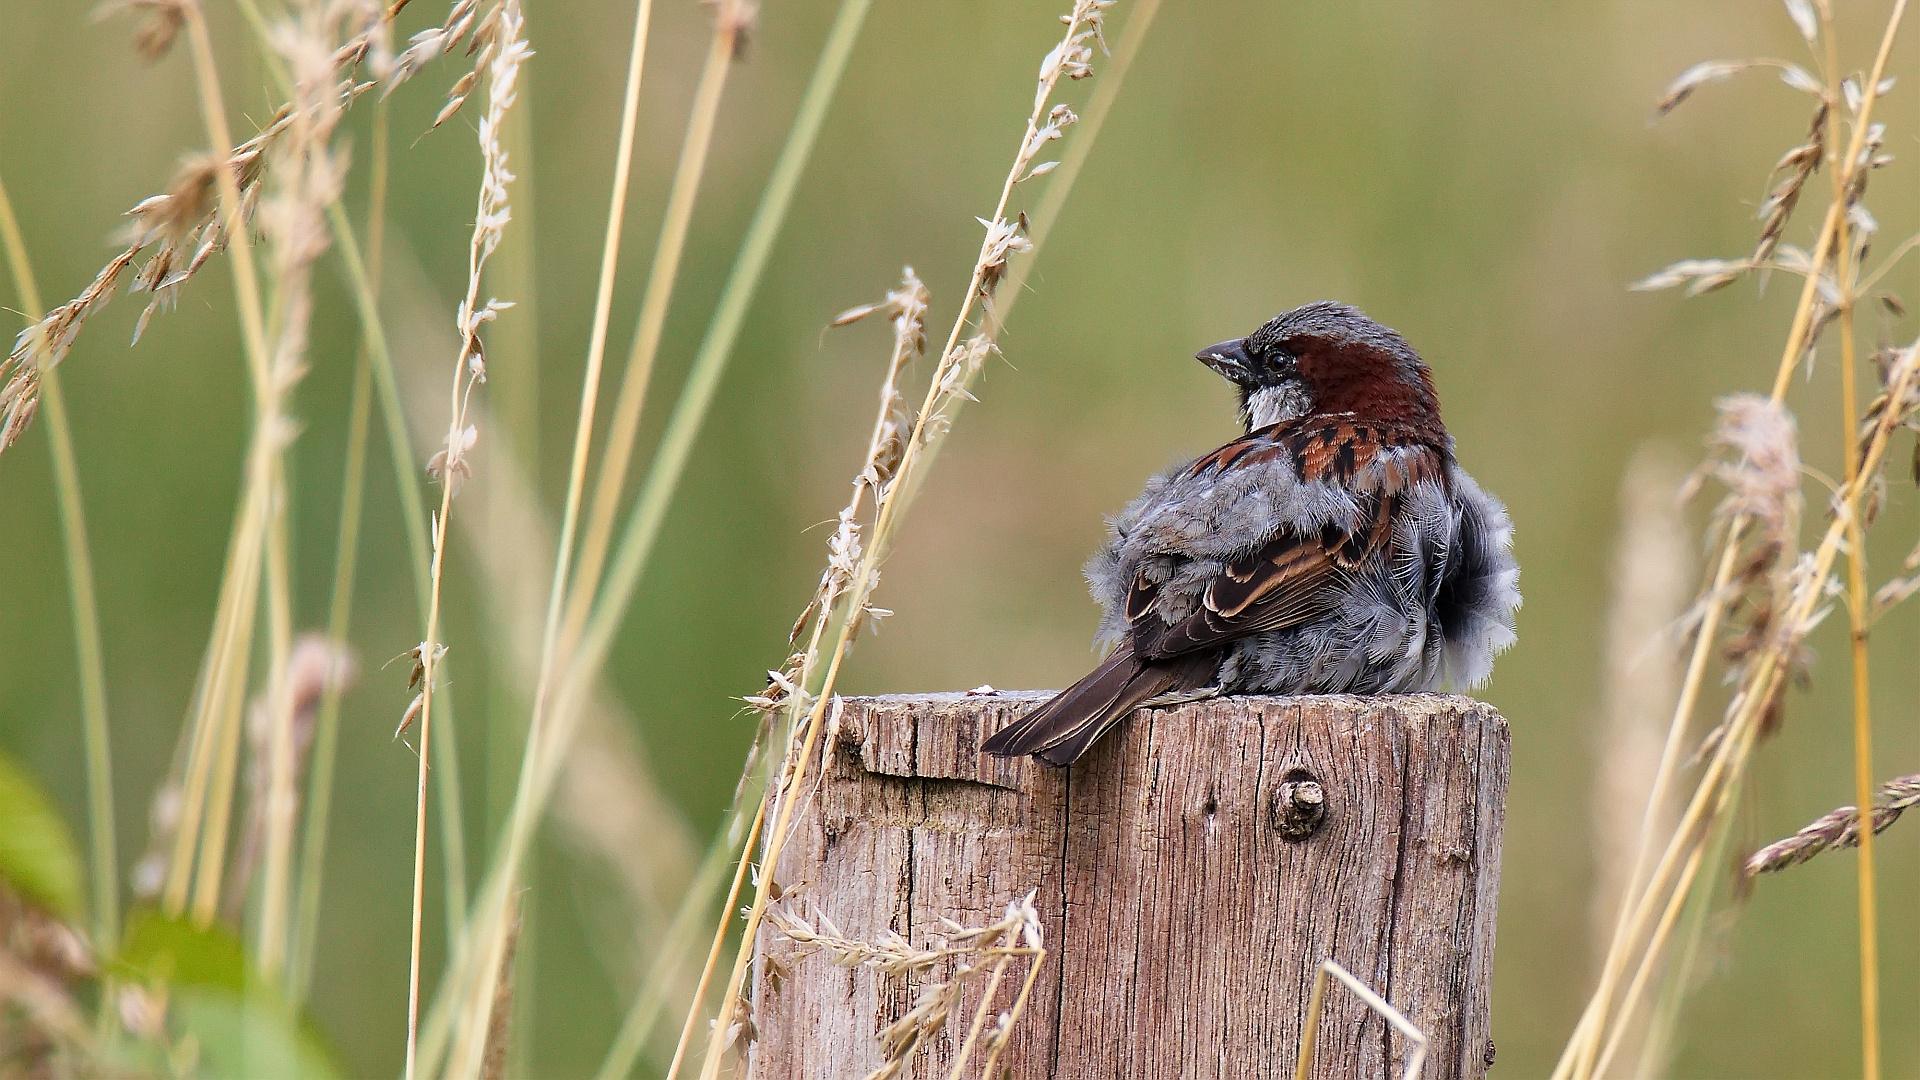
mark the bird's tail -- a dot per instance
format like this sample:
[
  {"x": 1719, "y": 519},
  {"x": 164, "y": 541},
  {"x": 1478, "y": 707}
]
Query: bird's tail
[{"x": 1061, "y": 729}]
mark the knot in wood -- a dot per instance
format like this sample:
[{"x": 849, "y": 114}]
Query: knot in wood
[{"x": 1300, "y": 807}]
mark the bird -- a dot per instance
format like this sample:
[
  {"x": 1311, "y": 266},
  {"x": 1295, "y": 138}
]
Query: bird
[{"x": 1335, "y": 548}]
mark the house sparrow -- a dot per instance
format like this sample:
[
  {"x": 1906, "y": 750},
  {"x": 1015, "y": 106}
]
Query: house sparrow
[{"x": 1335, "y": 548}]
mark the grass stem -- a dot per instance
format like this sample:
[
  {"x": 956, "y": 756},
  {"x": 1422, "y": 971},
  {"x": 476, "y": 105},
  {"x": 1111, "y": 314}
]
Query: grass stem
[
  {"x": 1578, "y": 1059},
  {"x": 220, "y": 718},
  {"x": 313, "y": 852},
  {"x": 542, "y": 754},
  {"x": 1858, "y": 602},
  {"x": 362, "y": 288},
  {"x": 624, "y": 428},
  {"x": 88, "y": 655},
  {"x": 1859, "y": 614},
  {"x": 980, "y": 1014},
  {"x": 676, "y": 946},
  {"x": 719, "y": 942},
  {"x": 492, "y": 212},
  {"x": 669, "y": 463},
  {"x": 596, "y": 355},
  {"x": 1728, "y": 762},
  {"x": 419, "y": 546},
  {"x": 1046, "y": 213}
]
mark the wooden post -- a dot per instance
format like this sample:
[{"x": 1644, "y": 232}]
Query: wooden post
[{"x": 1192, "y": 871}]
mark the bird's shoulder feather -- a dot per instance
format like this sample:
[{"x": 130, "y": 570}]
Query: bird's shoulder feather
[{"x": 1337, "y": 448}]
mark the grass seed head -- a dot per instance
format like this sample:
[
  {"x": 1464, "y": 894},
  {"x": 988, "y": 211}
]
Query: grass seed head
[
  {"x": 1837, "y": 829},
  {"x": 164, "y": 21}
]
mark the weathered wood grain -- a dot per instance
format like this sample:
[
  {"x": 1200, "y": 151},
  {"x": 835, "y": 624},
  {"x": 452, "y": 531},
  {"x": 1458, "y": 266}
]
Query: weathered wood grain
[{"x": 1184, "y": 919}]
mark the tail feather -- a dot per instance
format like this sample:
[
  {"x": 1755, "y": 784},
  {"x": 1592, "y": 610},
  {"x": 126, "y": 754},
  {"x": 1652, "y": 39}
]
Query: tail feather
[{"x": 1061, "y": 729}]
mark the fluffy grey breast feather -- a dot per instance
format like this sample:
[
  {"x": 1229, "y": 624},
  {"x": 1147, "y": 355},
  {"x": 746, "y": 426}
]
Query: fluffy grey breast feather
[{"x": 1430, "y": 615}]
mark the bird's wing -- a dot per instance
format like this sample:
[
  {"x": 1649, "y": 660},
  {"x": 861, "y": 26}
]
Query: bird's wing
[{"x": 1296, "y": 576}]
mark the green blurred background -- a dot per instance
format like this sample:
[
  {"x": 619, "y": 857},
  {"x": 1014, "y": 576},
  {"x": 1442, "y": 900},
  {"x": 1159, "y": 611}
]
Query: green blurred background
[{"x": 1480, "y": 176}]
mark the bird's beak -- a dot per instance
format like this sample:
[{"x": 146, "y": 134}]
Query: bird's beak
[{"x": 1229, "y": 358}]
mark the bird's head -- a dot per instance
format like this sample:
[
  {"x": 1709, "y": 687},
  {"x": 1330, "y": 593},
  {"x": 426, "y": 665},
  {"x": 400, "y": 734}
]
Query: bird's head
[{"x": 1326, "y": 358}]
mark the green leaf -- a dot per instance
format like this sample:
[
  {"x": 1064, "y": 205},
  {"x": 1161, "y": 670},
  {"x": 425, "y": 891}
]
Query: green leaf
[
  {"x": 240, "y": 1022},
  {"x": 244, "y": 1037},
  {"x": 156, "y": 948},
  {"x": 37, "y": 855}
]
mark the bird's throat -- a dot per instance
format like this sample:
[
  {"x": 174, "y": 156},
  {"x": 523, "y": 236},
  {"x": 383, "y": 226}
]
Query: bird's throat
[{"x": 1268, "y": 405}]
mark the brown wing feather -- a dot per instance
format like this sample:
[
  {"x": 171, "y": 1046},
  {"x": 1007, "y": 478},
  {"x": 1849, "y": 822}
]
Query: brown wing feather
[
  {"x": 1286, "y": 583},
  {"x": 1295, "y": 577},
  {"x": 1292, "y": 579}
]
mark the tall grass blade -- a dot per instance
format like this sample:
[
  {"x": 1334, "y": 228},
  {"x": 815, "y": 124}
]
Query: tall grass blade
[
  {"x": 313, "y": 852},
  {"x": 81, "y": 597}
]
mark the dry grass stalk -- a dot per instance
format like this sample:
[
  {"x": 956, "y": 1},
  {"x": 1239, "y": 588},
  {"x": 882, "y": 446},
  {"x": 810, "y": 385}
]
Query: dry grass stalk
[
  {"x": 564, "y": 679},
  {"x": 947, "y": 389},
  {"x": 607, "y": 803},
  {"x": 1047, "y": 212},
  {"x": 596, "y": 342},
  {"x": 1768, "y": 670},
  {"x": 906, "y": 309},
  {"x": 1316, "y": 1003},
  {"x": 1767, "y": 650},
  {"x": 461, "y": 970},
  {"x": 257, "y": 547},
  {"x": 306, "y": 177},
  {"x": 975, "y": 954},
  {"x": 1653, "y": 577},
  {"x": 1713, "y": 800},
  {"x": 180, "y": 221},
  {"x": 81, "y": 595},
  {"x": 187, "y": 228},
  {"x": 183, "y": 221},
  {"x": 449, "y": 464},
  {"x": 697, "y": 394},
  {"x": 493, "y": 1061},
  {"x": 731, "y": 20},
  {"x": 464, "y": 987},
  {"x": 1853, "y": 232},
  {"x": 663, "y": 476},
  {"x": 1756, "y": 458},
  {"x": 313, "y": 841},
  {"x": 1838, "y": 829},
  {"x": 363, "y": 282},
  {"x": 317, "y": 667},
  {"x": 785, "y": 695}
]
